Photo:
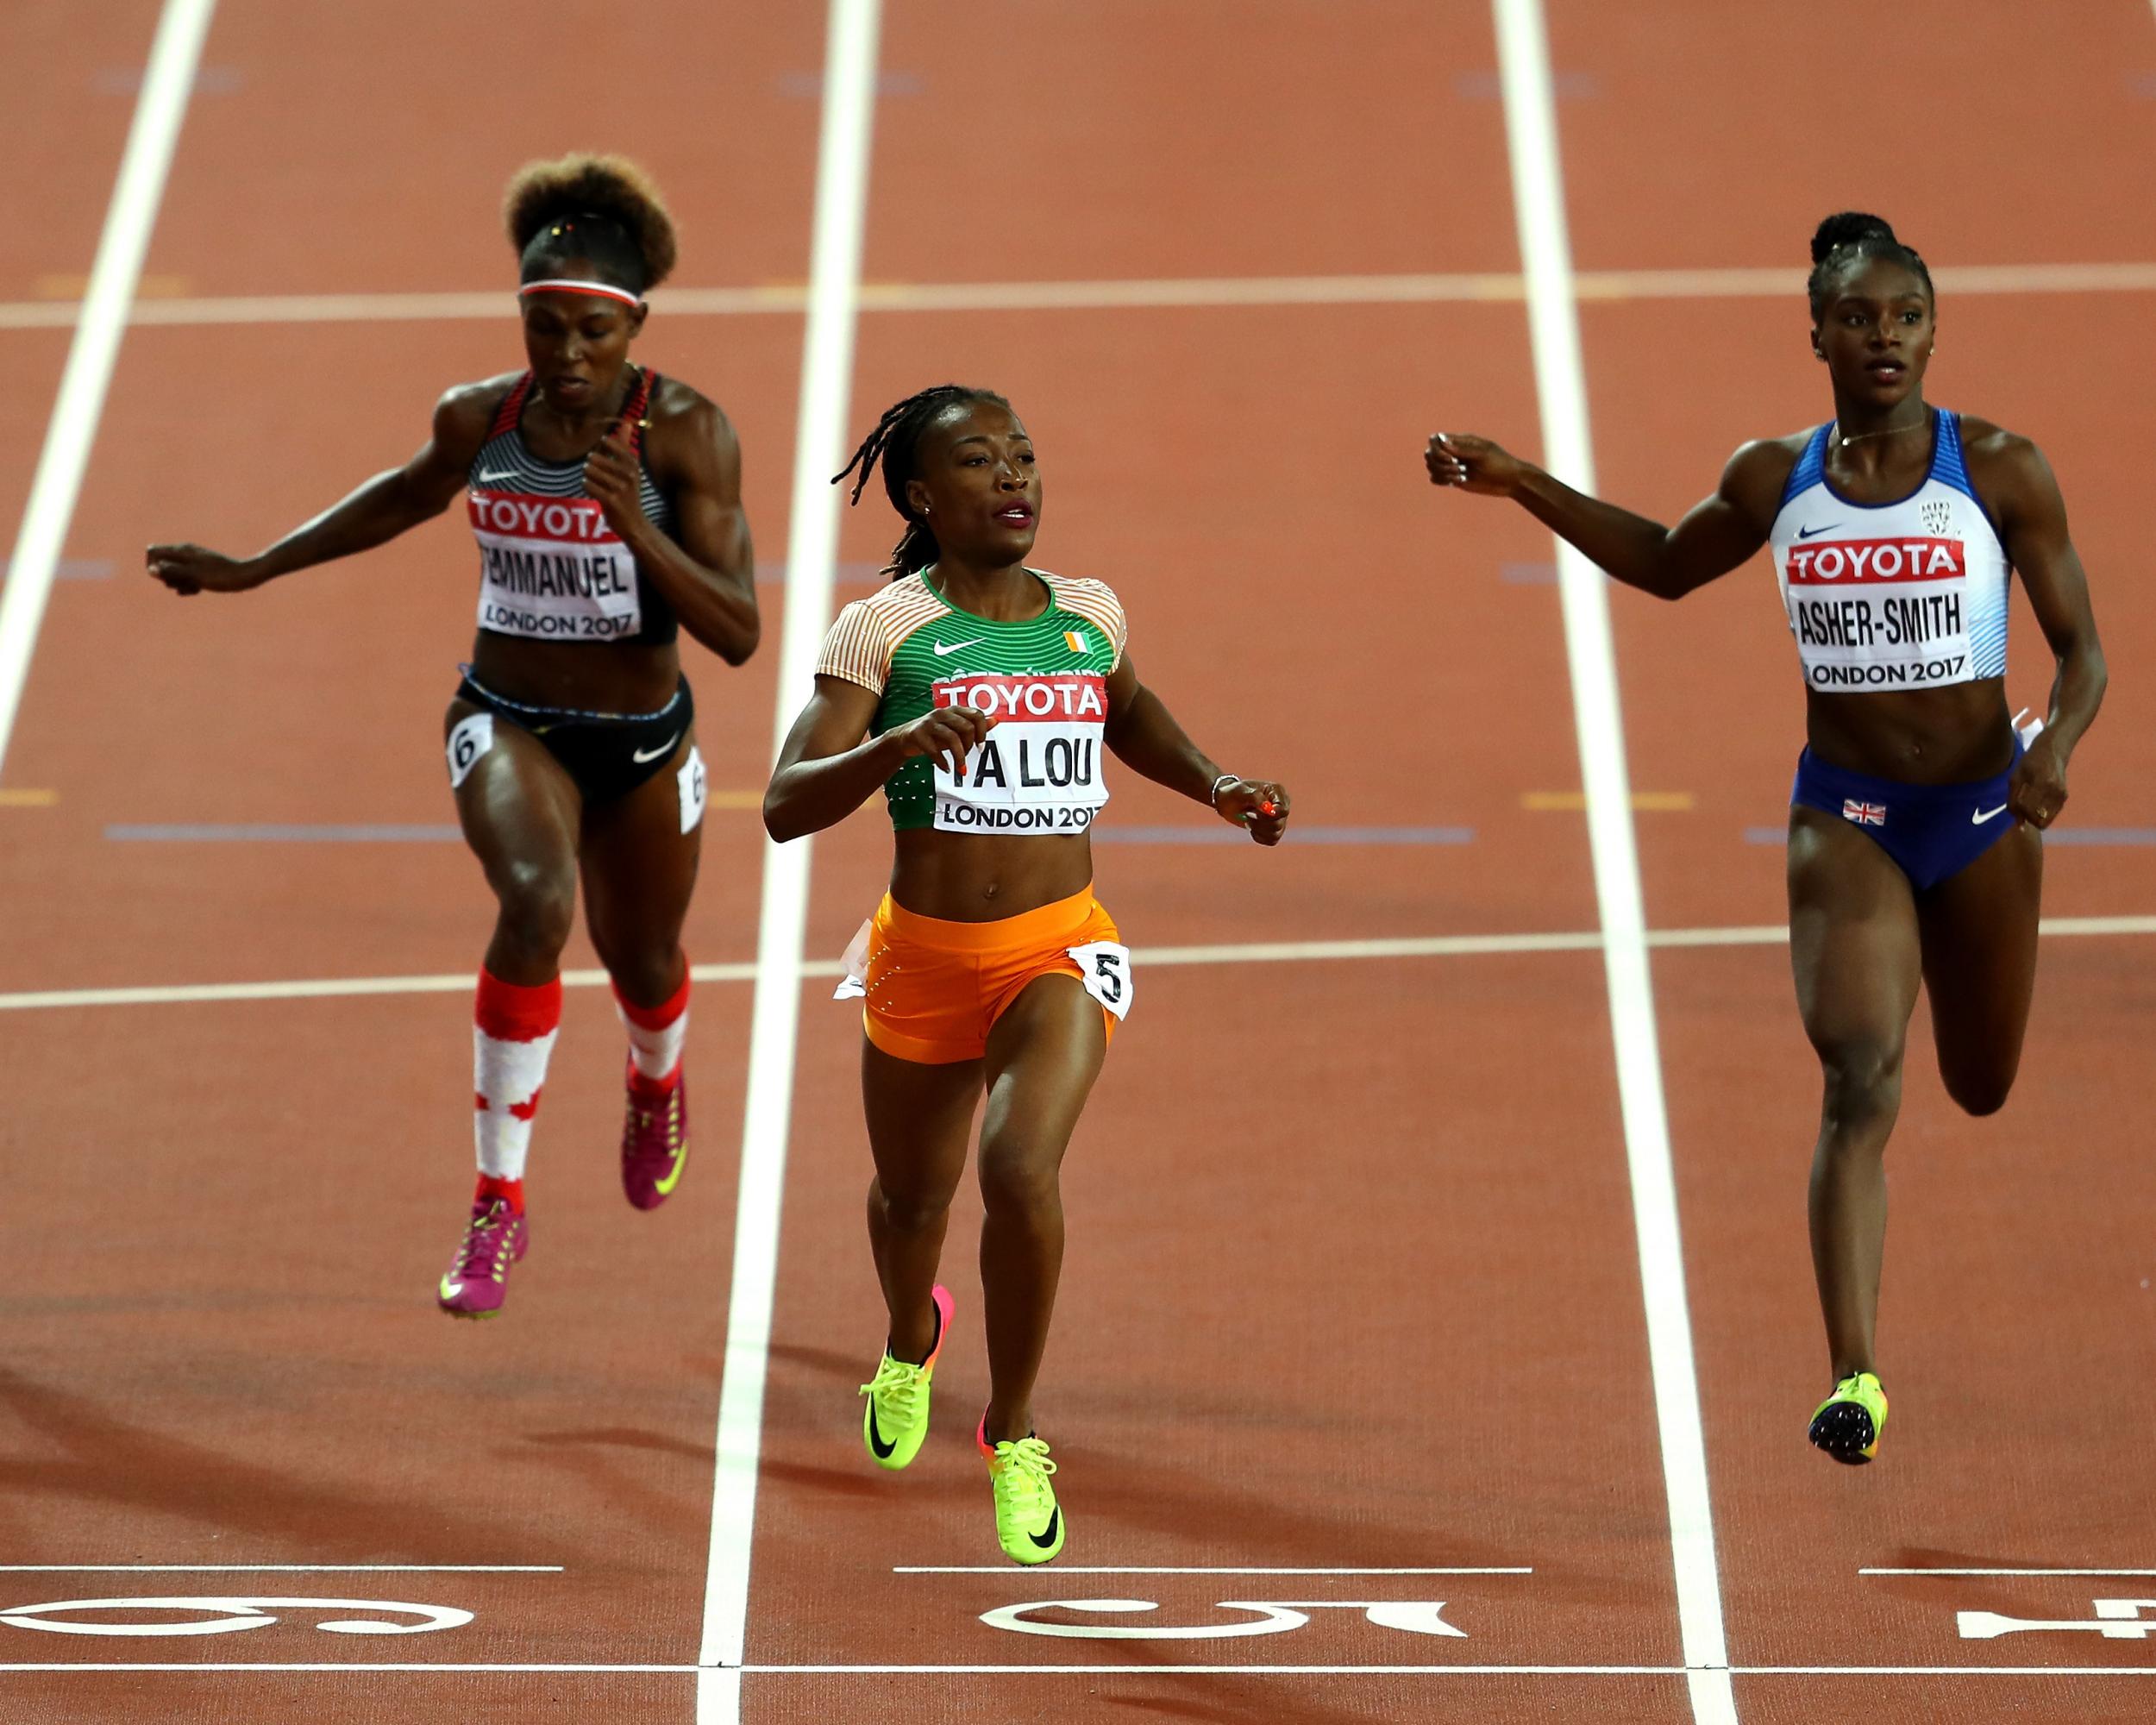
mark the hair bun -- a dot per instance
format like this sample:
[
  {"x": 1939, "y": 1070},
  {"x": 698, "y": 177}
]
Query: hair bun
[
  {"x": 555, "y": 195},
  {"x": 1847, "y": 227}
]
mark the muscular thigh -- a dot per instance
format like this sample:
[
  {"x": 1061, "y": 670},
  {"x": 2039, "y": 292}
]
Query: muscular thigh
[
  {"x": 518, "y": 807},
  {"x": 919, "y": 1118},
  {"x": 1044, "y": 1053},
  {"x": 1979, "y": 935},
  {"x": 1853, "y": 941},
  {"x": 639, "y": 865}
]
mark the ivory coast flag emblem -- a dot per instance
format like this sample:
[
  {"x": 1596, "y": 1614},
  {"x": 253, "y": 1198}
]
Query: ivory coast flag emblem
[{"x": 1075, "y": 640}]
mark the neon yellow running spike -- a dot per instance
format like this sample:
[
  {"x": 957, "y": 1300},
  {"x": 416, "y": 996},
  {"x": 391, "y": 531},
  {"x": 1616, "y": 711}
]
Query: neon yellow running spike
[
  {"x": 1847, "y": 1424},
  {"x": 896, "y": 1419},
  {"x": 1029, "y": 1522}
]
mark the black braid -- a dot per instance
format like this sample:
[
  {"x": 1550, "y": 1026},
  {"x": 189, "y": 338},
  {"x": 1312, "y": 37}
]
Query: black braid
[
  {"x": 894, "y": 442},
  {"x": 1845, "y": 238}
]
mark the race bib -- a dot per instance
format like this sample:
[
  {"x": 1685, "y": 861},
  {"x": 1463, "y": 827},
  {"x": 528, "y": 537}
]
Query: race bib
[
  {"x": 470, "y": 739},
  {"x": 551, "y": 569},
  {"x": 1040, "y": 769},
  {"x": 1883, "y": 613},
  {"x": 1105, "y": 971},
  {"x": 690, "y": 783}
]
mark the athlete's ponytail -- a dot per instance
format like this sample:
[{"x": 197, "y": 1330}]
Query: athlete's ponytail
[
  {"x": 896, "y": 442},
  {"x": 601, "y": 209},
  {"x": 1850, "y": 235}
]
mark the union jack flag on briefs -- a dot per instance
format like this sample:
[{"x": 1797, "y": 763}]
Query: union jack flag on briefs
[{"x": 1865, "y": 814}]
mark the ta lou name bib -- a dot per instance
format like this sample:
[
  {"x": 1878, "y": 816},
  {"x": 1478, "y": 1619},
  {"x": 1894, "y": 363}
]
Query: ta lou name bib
[
  {"x": 1040, "y": 769},
  {"x": 551, "y": 569}
]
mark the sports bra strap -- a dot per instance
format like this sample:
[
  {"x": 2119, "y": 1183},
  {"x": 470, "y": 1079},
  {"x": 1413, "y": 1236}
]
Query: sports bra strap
[
  {"x": 634, "y": 411},
  {"x": 512, "y": 408}
]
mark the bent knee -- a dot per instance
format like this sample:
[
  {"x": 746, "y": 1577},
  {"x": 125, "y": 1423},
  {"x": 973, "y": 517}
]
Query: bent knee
[
  {"x": 1017, "y": 1182},
  {"x": 913, "y": 1212},
  {"x": 1979, "y": 1093},
  {"x": 1863, "y": 1077},
  {"x": 538, "y": 903}
]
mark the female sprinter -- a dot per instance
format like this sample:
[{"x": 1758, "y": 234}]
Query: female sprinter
[
  {"x": 1913, "y": 827},
  {"x": 606, "y": 501},
  {"x": 981, "y": 695}
]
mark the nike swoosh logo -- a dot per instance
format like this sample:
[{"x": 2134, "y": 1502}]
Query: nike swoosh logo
[
  {"x": 665, "y": 1188},
  {"x": 942, "y": 651},
  {"x": 875, "y": 1436},
  {"x": 1813, "y": 532},
  {"x": 1047, "y": 1538},
  {"x": 1977, "y": 817},
  {"x": 641, "y": 756},
  {"x": 451, "y": 1290},
  {"x": 494, "y": 478}
]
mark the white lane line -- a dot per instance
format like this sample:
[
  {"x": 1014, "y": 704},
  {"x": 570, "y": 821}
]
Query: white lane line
[
  {"x": 130, "y": 218},
  {"x": 1137, "y": 293},
  {"x": 842, "y": 202},
  {"x": 281, "y": 1568},
  {"x": 1256, "y": 952},
  {"x": 1003, "y": 1570},
  {"x": 1531, "y": 130},
  {"x": 2007, "y": 1571},
  {"x": 1101, "y": 1670}
]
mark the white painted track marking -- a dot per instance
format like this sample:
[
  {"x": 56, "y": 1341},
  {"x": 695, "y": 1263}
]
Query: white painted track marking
[
  {"x": 842, "y": 201},
  {"x": 281, "y": 1568},
  {"x": 1103, "y": 1670},
  {"x": 1531, "y": 132},
  {"x": 1137, "y": 293},
  {"x": 2008, "y": 1571},
  {"x": 1273, "y": 952},
  {"x": 1084, "y": 1569},
  {"x": 152, "y": 138}
]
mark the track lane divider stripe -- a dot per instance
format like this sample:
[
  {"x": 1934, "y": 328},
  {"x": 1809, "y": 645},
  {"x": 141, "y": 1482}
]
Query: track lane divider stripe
[
  {"x": 153, "y": 136},
  {"x": 1255, "y": 952},
  {"x": 827, "y": 364},
  {"x": 1538, "y": 178}
]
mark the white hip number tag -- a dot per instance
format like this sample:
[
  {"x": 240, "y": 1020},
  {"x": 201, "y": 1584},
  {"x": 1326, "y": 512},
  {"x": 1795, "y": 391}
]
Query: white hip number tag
[
  {"x": 470, "y": 739},
  {"x": 690, "y": 780},
  {"x": 1105, "y": 971}
]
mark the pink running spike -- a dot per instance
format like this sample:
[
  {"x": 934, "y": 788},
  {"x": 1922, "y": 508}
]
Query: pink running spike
[
  {"x": 476, "y": 1283},
  {"x": 655, "y": 1140}
]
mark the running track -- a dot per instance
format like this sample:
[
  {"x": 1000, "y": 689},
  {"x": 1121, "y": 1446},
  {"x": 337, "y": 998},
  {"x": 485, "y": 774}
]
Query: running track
[{"x": 1355, "y": 1282}]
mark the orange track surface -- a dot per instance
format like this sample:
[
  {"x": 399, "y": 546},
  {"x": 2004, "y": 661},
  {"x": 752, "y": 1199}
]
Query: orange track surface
[{"x": 1353, "y": 1279}]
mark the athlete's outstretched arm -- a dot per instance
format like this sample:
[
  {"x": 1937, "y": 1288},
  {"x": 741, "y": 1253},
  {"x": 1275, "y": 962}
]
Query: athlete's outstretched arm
[
  {"x": 389, "y": 504},
  {"x": 1147, "y": 739},
  {"x": 709, "y": 576},
  {"x": 1715, "y": 538},
  {"x": 2012, "y": 471},
  {"x": 831, "y": 766}
]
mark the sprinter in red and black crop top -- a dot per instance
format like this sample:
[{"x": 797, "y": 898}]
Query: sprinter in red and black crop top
[{"x": 607, "y": 502}]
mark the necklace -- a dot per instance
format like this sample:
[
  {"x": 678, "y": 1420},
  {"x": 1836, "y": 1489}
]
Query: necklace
[{"x": 1842, "y": 439}]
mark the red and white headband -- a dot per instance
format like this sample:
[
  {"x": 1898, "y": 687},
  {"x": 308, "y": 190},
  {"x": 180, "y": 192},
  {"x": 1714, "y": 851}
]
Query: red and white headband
[{"x": 597, "y": 288}]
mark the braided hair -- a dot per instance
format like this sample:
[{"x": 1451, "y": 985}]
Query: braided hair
[
  {"x": 896, "y": 441},
  {"x": 1851, "y": 235}
]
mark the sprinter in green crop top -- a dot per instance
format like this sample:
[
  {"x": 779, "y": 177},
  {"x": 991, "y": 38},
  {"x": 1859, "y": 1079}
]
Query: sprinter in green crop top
[{"x": 983, "y": 697}]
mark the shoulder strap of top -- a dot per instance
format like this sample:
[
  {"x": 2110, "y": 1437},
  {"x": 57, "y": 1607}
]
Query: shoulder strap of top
[
  {"x": 1811, "y": 466},
  {"x": 635, "y": 410},
  {"x": 512, "y": 408},
  {"x": 1947, "y": 463}
]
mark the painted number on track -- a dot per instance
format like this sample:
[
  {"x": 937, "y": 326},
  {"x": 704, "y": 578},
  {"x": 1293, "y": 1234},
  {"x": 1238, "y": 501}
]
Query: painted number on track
[
  {"x": 226, "y": 1616},
  {"x": 1412, "y": 1617},
  {"x": 2116, "y": 1620}
]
